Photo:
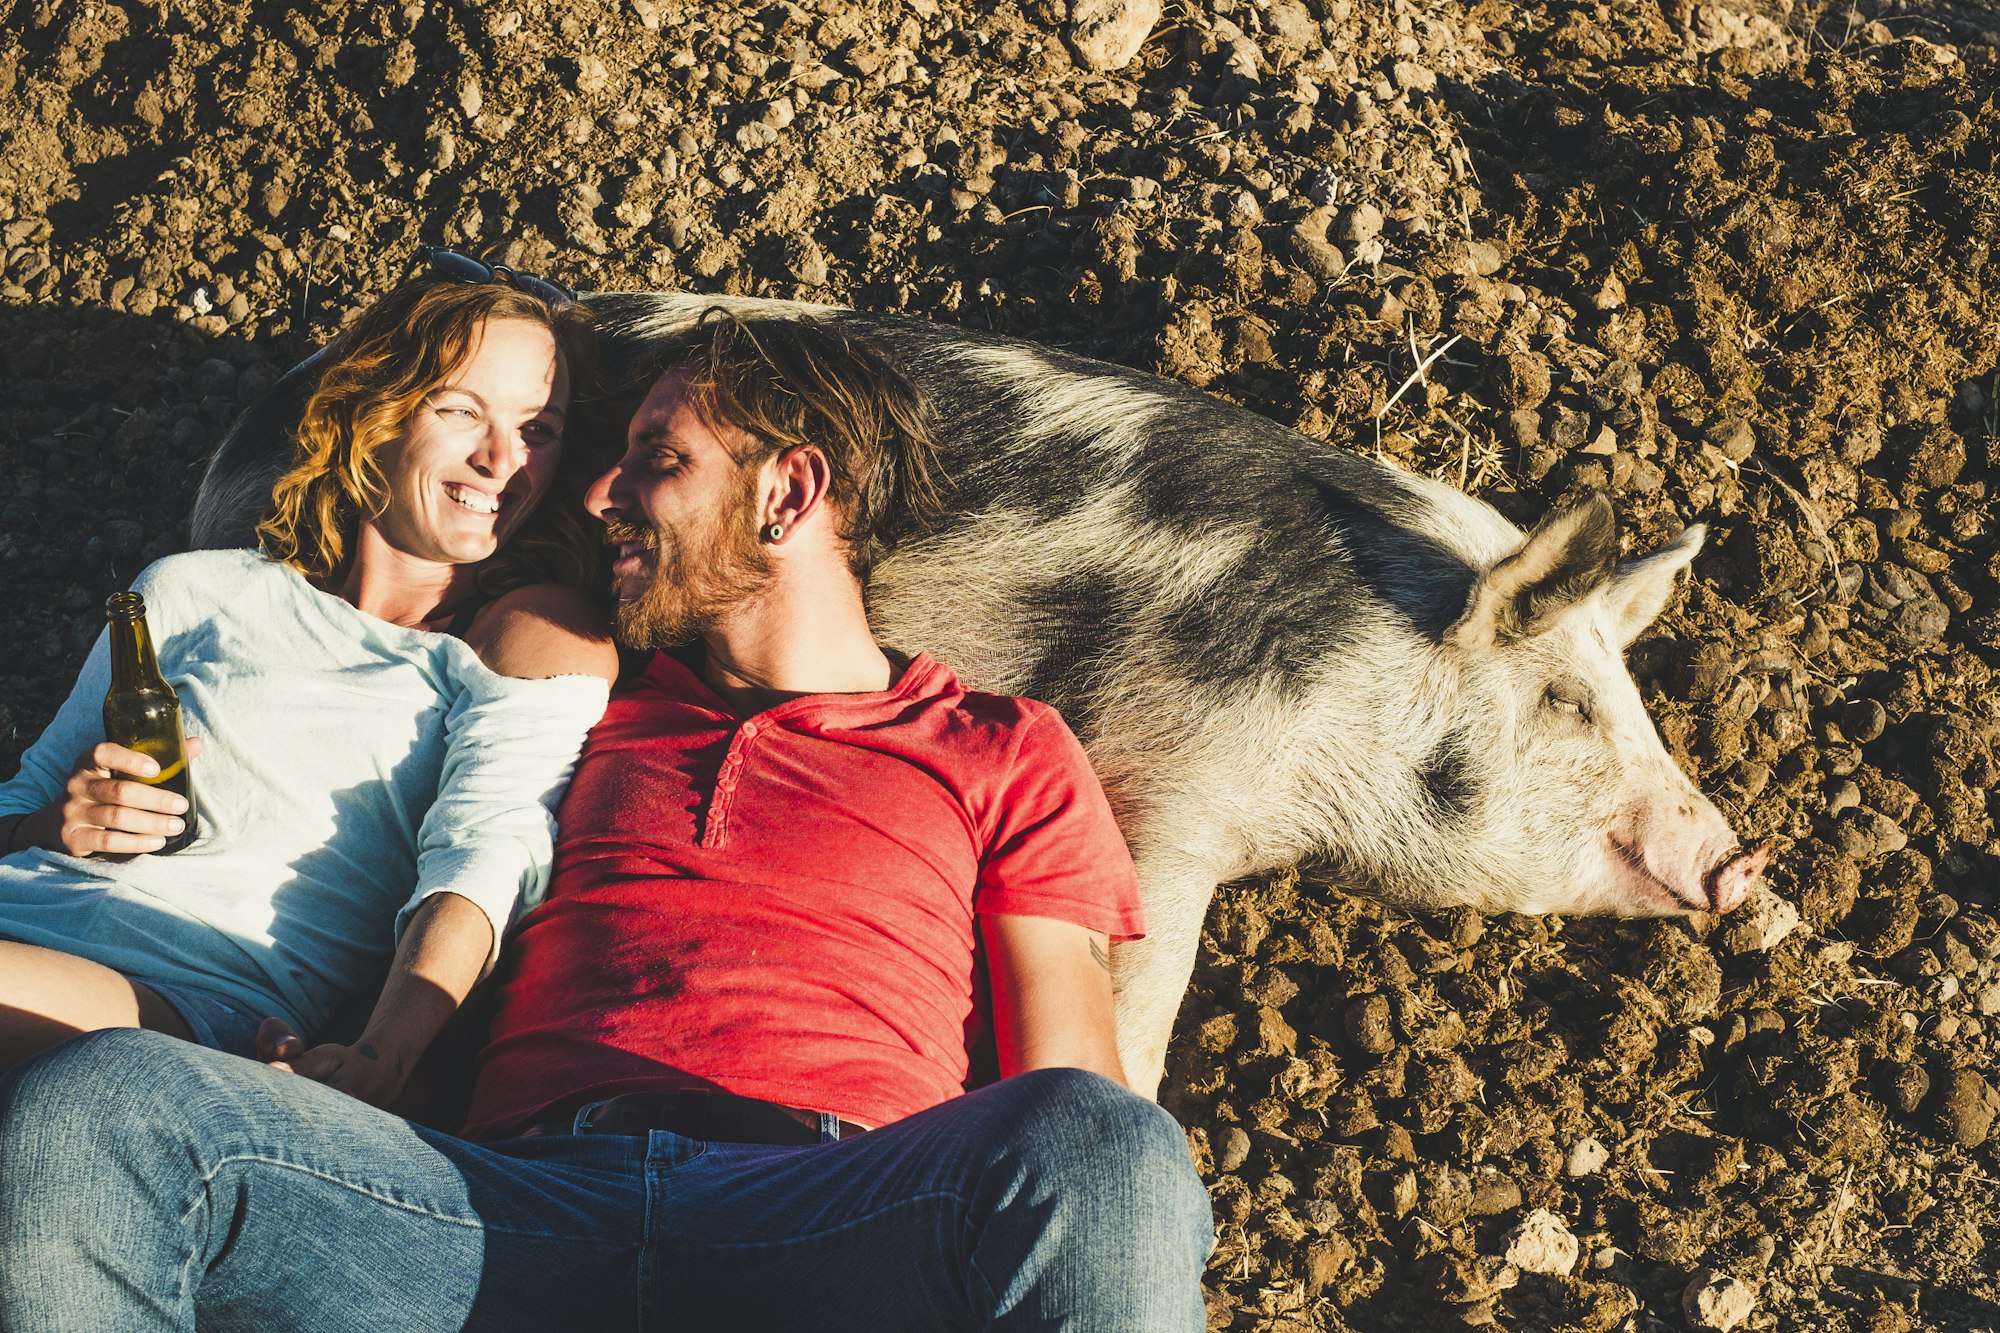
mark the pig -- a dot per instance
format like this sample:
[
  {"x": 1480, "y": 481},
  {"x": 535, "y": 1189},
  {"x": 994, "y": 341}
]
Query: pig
[{"x": 1273, "y": 650}]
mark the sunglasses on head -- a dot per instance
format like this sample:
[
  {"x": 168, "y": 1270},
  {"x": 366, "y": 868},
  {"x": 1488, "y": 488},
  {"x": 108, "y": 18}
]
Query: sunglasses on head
[{"x": 464, "y": 268}]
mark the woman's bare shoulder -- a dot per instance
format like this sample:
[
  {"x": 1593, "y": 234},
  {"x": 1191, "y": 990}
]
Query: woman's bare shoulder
[{"x": 544, "y": 629}]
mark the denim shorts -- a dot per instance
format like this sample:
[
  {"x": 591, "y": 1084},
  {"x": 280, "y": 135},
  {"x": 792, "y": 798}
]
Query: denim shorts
[{"x": 214, "y": 1021}]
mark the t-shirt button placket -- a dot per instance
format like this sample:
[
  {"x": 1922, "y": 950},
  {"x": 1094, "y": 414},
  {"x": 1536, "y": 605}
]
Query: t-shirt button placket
[
  {"x": 718, "y": 806},
  {"x": 725, "y": 783}
]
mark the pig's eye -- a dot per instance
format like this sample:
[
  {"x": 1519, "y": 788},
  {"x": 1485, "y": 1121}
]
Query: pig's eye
[{"x": 1567, "y": 698}]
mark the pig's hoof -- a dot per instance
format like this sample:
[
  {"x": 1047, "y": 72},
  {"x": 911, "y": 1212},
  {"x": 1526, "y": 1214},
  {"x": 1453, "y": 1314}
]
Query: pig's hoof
[{"x": 1730, "y": 882}]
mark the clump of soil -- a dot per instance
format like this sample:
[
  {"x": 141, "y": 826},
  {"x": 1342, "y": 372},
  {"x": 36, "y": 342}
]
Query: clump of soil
[{"x": 1732, "y": 263}]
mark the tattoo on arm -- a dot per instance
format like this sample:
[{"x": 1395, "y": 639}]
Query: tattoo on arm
[
  {"x": 368, "y": 1052},
  {"x": 1097, "y": 951}
]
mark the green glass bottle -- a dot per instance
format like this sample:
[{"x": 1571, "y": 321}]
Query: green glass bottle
[{"x": 141, "y": 711}]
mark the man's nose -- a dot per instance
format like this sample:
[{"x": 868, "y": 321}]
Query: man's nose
[{"x": 597, "y": 500}]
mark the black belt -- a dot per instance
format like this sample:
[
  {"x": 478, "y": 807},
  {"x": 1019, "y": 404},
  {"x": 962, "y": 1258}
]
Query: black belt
[{"x": 714, "y": 1117}]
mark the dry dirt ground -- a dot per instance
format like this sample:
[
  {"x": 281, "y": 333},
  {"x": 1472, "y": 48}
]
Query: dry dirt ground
[{"x": 1733, "y": 263}]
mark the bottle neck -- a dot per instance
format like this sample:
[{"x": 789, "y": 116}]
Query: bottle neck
[{"x": 133, "y": 665}]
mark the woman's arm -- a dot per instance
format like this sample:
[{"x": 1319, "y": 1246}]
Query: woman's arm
[
  {"x": 443, "y": 952},
  {"x": 509, "y": 750},
  {"x": 511, "y": 746},
  {"x": 65, "y": 798},
  {"x": 100, "y": 813},
  {"x": 26, "y": 799}
]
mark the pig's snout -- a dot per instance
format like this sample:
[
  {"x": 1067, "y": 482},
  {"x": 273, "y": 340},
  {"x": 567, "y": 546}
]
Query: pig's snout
[{"x": 1729, "y": 883}]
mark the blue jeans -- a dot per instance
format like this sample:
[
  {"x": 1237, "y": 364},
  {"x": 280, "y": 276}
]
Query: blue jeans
[{"x": 149, "y": 1184}]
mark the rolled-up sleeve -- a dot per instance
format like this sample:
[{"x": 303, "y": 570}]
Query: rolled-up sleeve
[{"x": 510, "y": 748}]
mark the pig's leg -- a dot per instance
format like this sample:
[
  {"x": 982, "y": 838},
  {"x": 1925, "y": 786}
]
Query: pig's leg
[{"x": 1151, "y": 975}]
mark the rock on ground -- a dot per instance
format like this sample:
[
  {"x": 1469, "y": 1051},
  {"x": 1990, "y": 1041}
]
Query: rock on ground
[
  {"x": 1761, "y": 923},
  {"x": 1106, "y": 34},
  {"x": 1716, "y": 1302},
  {"x": 1541, "y": 1243},
  {"x": 1968, "y": 1105}
]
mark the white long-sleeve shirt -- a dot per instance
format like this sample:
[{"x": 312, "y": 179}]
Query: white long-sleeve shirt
[{"x": 353, "y": 768}]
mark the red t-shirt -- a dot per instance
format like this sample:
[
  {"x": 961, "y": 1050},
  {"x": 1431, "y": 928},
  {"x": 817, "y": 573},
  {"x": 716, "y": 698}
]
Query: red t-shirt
[{"x": 782, "y": 906}]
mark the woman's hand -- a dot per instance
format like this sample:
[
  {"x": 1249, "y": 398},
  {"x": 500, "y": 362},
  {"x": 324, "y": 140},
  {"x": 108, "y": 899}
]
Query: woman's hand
[{"x": 103, "y": 814}]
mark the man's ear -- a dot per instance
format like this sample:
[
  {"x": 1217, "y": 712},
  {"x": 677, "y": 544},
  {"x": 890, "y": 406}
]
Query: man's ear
[
  {"x": 796, "y": 486},
  {"x": 1566, "y": 558}
]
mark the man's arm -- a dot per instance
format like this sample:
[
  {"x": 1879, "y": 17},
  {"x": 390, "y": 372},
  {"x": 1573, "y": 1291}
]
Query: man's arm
[
  {"x": 1051, "y": 995},
  {"x": 443, "y": 951}
]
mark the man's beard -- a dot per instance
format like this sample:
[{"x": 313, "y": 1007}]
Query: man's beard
[{"x": 698, "y": 575}]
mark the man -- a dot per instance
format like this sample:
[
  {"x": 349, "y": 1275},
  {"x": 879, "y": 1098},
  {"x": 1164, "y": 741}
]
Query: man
[{"x": 722, "y": 1088}]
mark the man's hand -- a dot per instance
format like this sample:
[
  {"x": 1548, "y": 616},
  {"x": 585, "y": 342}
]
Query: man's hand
[
  {"x": 360, "y": 1070},
  {"x": 104, "y": 814}
]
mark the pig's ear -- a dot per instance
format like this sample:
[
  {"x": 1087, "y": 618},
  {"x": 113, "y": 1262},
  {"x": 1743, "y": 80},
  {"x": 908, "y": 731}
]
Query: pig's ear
[
  {"x": 1638, "y": 592},
  {"x": 1568, "y": 556}
]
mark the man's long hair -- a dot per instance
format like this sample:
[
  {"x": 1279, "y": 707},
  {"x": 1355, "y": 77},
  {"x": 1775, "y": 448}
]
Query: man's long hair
[
  {"x": 792, "y": 382},
  {"x": 377, "y": 373}
]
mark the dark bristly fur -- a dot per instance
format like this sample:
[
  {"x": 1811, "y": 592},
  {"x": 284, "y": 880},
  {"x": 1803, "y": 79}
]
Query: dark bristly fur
[{"x": 1449, "y": 780}]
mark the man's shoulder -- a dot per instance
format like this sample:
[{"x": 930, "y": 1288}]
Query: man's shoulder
[
  {"x": 990, "y": 719},
  {"x": 1012, "y": 712}
]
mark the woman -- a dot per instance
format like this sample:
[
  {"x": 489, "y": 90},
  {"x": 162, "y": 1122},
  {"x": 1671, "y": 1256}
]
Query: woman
[{"x": 385, "y": 702}]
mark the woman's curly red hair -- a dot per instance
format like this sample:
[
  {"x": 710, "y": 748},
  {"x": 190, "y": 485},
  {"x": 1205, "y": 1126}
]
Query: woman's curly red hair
[{"x": 377, "y": 373}]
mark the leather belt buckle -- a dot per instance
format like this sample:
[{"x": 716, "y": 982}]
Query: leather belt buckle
[{"x": 712, "y": 1117}]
